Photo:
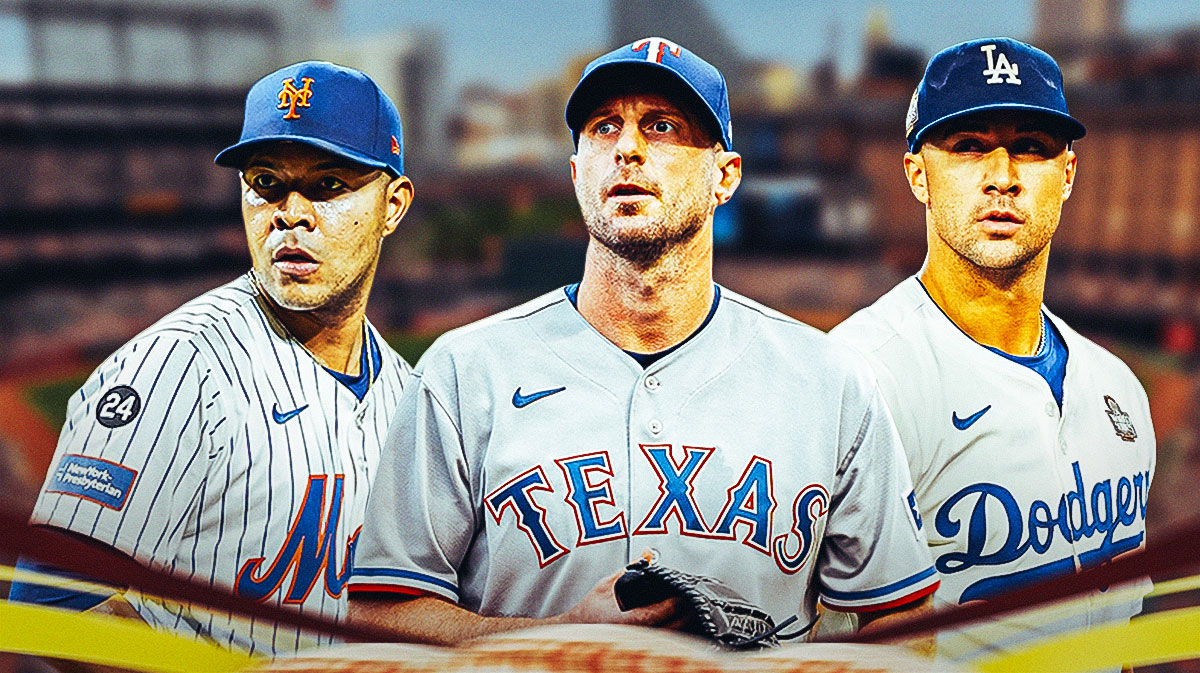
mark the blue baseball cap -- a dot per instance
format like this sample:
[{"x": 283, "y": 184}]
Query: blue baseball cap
[
  {"x": 334, "y": 108},
  {"x": 993, "y": 74},
  {"x": 656, "y": 63}
]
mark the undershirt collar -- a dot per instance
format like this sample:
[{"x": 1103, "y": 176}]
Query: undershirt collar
[{"x": 647, "y": 359}]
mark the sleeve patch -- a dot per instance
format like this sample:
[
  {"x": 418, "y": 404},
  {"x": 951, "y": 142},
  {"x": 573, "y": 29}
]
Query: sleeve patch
[
  {"x": 118, "y": 407},
  {"x": 103, "y": 482}
]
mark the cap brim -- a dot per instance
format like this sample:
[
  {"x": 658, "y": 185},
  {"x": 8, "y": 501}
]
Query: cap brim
[
  {"x": 235, "y": 156},
  {"x": 1073, "y": 129},
  {"x": 605, "y": 82}
]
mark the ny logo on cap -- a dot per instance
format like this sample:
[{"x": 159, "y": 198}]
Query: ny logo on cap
[
  {"x": 999, "y": 66},
  {"x": 291, "y": 98},
  {"x": 656, "y": 48}
]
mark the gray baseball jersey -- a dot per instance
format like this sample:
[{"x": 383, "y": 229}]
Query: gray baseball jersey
[
  {"x": 530, "y": 458},
  {"x": 1011, "y": 489},
  {"x": 214, "y": 446}
]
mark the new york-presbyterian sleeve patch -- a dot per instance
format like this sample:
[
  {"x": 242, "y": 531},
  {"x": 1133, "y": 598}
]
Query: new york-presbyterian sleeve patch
[{"x": 100, "y": 481}]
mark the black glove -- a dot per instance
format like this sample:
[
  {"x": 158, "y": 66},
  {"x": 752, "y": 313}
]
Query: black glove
[{"x": 712, "y": 608}]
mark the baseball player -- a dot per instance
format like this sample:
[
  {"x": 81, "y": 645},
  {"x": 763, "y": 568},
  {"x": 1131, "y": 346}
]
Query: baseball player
[
  {"x": 644, "y": 409},
  {"x": 234, "y": 441},
  {"x": 1031, "y": 447}
]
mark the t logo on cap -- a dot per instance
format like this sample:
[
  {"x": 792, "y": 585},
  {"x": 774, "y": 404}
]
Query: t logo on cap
[
  {"x": 290, "y": 97},
  {"x": 656, "y": 48},
  {"x": 999, "y": 66}
]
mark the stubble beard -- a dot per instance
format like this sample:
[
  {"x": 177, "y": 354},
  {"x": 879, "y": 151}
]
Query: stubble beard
[{"x": 646, "y": 244}]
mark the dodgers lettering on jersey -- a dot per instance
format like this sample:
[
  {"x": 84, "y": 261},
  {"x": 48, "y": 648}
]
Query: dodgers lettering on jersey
[
  {"x": 530, "y": 457},
  {"x": 214, "y": 446},
  {"x": 1012, "y": 489}
]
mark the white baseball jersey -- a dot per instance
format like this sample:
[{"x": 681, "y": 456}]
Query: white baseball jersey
[
  {"x": 530, "y": 458},
  {"x": 1011, "y": 489},
  {"x": 213, "y": 445}
]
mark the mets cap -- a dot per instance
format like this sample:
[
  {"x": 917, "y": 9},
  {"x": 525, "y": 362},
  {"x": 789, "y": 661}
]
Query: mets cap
[
  {"x": 327, "y": 106},
  {"x": 992, "y": 74},
  {"x": 653, "y": 62}
]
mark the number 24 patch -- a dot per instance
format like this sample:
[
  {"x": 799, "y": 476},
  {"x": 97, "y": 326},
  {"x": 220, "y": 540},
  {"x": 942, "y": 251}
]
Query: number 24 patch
[{"x": 118, "y": 407}]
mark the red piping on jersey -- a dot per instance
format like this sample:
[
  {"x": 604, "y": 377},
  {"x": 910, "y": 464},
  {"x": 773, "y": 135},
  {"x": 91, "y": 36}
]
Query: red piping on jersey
[
  {"x": 919, "y": 593},
  {"x": 391, "y": 589}
]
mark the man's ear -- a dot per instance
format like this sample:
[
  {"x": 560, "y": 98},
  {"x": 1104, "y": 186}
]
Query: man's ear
[
  {"x": 730, "y": 165},
  {"x": 914, "y": 169},
  {"x": 399, "y": 198},
  {"x": 1069, "y": 169},
  {"x": 573, "y": 171}
]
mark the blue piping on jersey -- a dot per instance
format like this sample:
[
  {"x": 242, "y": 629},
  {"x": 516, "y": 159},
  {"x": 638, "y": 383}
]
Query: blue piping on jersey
[
  {"x": 881, "y": 591},
  {"x": 58, "y": 597},
  {"x": 647, "y": 359},
  {"x": 1050, "y": 362},
  {"x": 370, "y": 364},
  {"x": 404, "y": 575}
]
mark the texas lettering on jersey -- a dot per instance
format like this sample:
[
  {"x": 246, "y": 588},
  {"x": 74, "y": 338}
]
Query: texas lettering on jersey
[
  {"x": 750, "y": 503},
  {"x": 308, "y": 552},
  {"x": 1103, "y": 510}
]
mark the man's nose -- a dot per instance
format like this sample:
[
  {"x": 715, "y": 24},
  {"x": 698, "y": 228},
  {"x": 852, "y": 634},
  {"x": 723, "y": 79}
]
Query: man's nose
[
  {"x": 1001, "y": 174},
  {"x": 294, "y": 211}
]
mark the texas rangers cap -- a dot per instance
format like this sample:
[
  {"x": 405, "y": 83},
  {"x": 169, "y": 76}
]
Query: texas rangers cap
[
  {"x": 653, "y": 62},
  {"x": 993, "y": 74},
  {"x": 332, "y": 107}
]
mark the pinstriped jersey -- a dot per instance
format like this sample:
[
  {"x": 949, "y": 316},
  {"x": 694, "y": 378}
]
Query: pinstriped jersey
[
  {"x": 213, "y": 445},
  {"x": 530, "y": 457},
  {"x": 1012, "y": 488}
]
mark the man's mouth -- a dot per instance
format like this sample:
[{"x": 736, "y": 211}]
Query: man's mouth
[
  {"x": 629, "y": 192},
  {"x": 1001, "y": 222},
  {"x": 295, "y": 261}
]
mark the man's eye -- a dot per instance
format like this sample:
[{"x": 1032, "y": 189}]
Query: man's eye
[
  {"x": 966, "y": 145},
  {"x": 661, "y": 126},
  {"x": 264, "y": 181},
  {"x": 331, "y": 184},
  {"x": 1030, "y": 146},
  {"x": 604, "y": 128}
]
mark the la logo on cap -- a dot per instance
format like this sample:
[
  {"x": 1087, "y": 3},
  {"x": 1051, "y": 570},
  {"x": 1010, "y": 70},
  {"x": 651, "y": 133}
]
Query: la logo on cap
[
  {"x": 291, "y": 98},
  {"x": 999, "y": 66},
  {"x": 656, "y": 48}
]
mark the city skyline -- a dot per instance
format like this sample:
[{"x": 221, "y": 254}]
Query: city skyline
[{"x": 808, "y": 32}]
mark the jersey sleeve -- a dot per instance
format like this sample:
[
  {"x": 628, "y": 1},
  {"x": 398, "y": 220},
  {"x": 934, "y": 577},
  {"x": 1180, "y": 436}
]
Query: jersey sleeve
[
  {"x": 420, "y": 519},
  {"x": 874, "y": 554},
  {"x": 133, "y": 451}
]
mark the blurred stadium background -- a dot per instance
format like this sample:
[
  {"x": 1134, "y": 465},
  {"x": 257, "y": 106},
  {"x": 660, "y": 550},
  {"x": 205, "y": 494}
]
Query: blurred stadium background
[{"x": 112, "y": 213}]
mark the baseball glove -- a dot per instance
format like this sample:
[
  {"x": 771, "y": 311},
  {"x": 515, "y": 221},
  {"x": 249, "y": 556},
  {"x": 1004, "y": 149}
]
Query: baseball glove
[{"x": 712, "y": 608}]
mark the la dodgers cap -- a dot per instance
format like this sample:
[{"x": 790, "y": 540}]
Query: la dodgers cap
[
  {"x": 653, "y": 62},
  {"x": 992, "y": 74},
  {"x": 332, "y": 107}
]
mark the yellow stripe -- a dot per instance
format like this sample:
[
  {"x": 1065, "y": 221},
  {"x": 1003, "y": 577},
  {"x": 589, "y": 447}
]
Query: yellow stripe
[
  {"x": 11, "y": 574},
  {"x": 1153, "y": 639},
  {"x": 110, "y": 641}
]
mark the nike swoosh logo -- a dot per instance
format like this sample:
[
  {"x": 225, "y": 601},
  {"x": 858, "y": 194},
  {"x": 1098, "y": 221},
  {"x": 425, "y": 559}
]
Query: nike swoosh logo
[
  {"x": 520, "y": 400},
  {"x": 964, "y": 423},
  {"x": 287, "y": 415}
]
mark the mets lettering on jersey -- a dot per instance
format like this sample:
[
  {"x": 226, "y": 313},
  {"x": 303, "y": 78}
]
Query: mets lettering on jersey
[
  {"x": 309, "y": 551},
  {"x": 758, "y": 452},
  {"x": 1019, "y": 489},
  {"x": 244, "y": 463}
]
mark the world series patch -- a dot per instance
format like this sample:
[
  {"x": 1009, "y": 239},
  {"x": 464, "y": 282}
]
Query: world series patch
[
  {"x": 101, "y": 481},
  {"x": 1120, "y": 420}
]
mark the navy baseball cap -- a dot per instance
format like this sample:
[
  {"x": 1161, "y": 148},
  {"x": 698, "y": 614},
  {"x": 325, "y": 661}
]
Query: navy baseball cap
[
  {"x": 334, "y": 108},
  {"x": 993, "y": 74},
  {"x": 656, "y": 63}
]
